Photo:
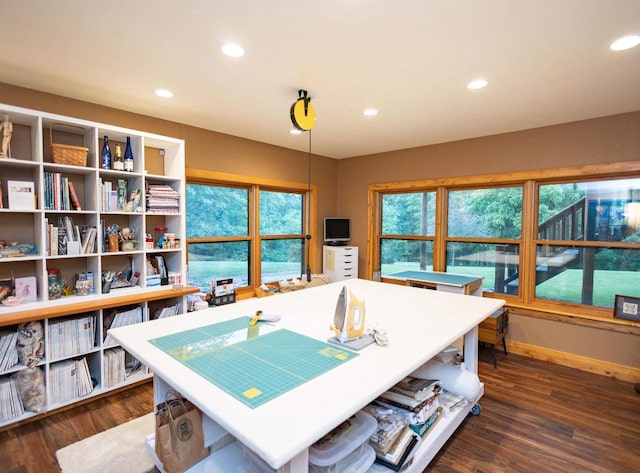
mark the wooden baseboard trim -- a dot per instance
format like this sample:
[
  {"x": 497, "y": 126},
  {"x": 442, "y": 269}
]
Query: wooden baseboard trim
[{"x": 604, "y": 368}]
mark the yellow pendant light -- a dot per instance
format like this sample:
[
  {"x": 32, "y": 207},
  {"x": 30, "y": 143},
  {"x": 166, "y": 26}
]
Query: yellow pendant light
[{"x": 303, "y": 115}]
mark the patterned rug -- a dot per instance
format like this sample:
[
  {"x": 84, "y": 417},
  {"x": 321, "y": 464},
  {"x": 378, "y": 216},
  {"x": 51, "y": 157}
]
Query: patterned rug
[{"x": 117, "y": 450}]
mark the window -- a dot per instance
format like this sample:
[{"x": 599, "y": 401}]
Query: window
[
  {"x": 281, "y": 235},
  {"x": 408, "y": 229},
  {"x": 250, "y": 229},
  {"x": 483, "y": 236},
  {"x": 219, "y": 244},
  {"x": 587, "y": 246},
  {"x": 553, "y": 243}
]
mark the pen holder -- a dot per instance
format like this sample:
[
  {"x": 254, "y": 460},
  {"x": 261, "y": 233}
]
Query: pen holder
[{"x": 112, "y": 243}]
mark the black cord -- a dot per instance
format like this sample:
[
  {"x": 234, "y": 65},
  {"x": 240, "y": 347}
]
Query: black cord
[{"x": 308, "y": 236}]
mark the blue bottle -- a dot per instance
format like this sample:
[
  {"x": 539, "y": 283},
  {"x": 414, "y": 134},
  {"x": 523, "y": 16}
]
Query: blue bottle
[
  {"x": 105, "y": 155},
  {"x": 128, "y": 156}
]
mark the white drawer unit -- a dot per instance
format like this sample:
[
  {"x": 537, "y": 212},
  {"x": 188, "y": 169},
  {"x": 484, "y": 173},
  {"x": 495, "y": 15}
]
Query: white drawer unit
[{"x": 340, "y": 262}]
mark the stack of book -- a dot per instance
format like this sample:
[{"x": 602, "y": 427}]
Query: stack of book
[
  {"x": 393, "y": 441},
  {"x": 162, "y": 199},
  {"x": 59, "y": 192},
  {"x": 69, "y": 379},
  {"x": 72, "y": 336},
  {"x": 417, "y": 400},
  {"x": 8, "y": 350},
  {"x": 10, "y": 402},
  {"x": 70, "y": 239}
]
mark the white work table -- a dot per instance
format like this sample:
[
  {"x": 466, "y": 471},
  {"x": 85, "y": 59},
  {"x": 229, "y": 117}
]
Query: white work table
[{"x": 419, "y": 325}]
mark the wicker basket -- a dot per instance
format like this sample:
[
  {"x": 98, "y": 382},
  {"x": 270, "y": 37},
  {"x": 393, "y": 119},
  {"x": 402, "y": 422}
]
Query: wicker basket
[
  {"x": 67, "y": 154},
  {"x": 292, "y": 287}
]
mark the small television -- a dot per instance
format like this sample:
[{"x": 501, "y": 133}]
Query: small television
[{"x": 336, "y": 231}]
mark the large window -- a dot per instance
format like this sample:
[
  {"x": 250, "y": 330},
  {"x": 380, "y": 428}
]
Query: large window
[
  {"x": 218, "y": 237},
  {"x": 408, "y": 229},
  {"x": 281, "y": 234},
  {"x": 556, "y": 243},
  {"x": 483, "y": 236},
  {"x": 587, "y": 246},
  {"x": 247, "y": 230}
]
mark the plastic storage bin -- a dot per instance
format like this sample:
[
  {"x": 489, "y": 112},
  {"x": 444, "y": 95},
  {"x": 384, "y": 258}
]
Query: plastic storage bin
[{"x": 345, "y": 448}]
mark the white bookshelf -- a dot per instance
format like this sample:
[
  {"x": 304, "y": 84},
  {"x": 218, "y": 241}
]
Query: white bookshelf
[{"x": 158, "y": 160}]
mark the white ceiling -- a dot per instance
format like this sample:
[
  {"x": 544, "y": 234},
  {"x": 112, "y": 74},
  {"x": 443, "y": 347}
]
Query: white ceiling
[{"x": 547, "y": 62}]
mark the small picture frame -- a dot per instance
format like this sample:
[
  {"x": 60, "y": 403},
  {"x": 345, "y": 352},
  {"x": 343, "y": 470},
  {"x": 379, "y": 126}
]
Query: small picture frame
[
  {"x": 26, "y": 288},
  {"x": 627, "y": 307}
]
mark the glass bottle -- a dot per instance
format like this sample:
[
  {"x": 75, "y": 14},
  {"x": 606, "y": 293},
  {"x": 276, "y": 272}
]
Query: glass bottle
[
  {"x": 105, "y": 154},
  {"x": 118, "y": 161},
  {"x": 128, "y": 156}
]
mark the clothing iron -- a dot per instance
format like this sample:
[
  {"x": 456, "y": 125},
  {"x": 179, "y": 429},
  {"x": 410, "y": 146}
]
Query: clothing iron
[{"x": 348, "y": 321}]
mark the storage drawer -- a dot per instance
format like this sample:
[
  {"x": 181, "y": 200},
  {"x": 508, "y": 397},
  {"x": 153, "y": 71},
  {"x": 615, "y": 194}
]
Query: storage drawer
[{"x": 494, "y": 328}]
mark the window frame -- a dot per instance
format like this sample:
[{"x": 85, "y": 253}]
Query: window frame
[
  {"x": 530, "y": 182},
  {"x": 254, "y": 184}
]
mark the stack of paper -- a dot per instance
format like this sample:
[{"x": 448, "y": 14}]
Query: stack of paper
[
  {"x": 167, "y": 311},
  {"x": 162, "y": 199},
  {"x": 71, "y": 336},
  {"x": 69, "y": 379},
  {"x": 114, "y": 367},
  {"x": 10, "y": 402},
  {"x": 120, "y": 319},
  {"x": 8, "y": 350}
]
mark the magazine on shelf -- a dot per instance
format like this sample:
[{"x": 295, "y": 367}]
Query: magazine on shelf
[
  {"x": 119, "y": 319},
  {"x": 10, "y": 401},
  {"x": 8, "y": 350}
]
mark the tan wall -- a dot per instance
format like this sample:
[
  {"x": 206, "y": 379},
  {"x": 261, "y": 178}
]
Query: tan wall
[
  {"x": 342, "y": 184},
  {"x": 204, "y": 149},
  {"x": 602, "y": 140}
]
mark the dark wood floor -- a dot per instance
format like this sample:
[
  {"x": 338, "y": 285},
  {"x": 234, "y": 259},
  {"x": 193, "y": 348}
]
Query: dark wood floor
[{"x": 536, "y": 417}]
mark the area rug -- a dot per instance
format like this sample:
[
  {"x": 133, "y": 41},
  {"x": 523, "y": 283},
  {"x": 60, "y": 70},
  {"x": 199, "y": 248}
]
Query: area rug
[{"x": 117, "y": 450}]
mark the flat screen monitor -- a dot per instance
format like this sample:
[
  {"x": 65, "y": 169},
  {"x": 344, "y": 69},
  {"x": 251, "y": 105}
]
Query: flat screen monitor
[{"x": 336, "y": 231}]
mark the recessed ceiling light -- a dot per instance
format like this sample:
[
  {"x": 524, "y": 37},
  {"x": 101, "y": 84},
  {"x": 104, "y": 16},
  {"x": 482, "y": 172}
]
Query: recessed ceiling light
[
  {"x": 295, "y": 131},
  {"x": 232, "y": 50},
  {"x": 369, "y": 112},
  {"x": 477, "y": 84},
  {"x": 167, "y": 94},
  {"x": 626, "y": 42}
]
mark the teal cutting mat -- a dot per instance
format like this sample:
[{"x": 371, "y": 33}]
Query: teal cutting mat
[{"x": 249, "y": 364}]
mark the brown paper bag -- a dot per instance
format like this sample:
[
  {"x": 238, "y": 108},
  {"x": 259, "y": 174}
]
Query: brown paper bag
[{"x": 179, "y": 435}]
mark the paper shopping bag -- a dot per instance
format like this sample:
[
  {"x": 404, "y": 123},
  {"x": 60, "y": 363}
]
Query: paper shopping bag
[{"x": 179, "y": 434}]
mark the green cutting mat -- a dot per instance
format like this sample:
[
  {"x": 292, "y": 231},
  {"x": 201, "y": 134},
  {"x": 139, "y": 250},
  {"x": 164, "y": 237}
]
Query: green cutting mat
[{"x": 254, "y": 368}]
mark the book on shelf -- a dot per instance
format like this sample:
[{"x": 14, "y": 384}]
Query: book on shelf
[
  {"x": 75, "y": 202},
  {"x": 21, "y": 195},
  {"x": 398, "y": 454},
  {"x": 416, "y": 388}
]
